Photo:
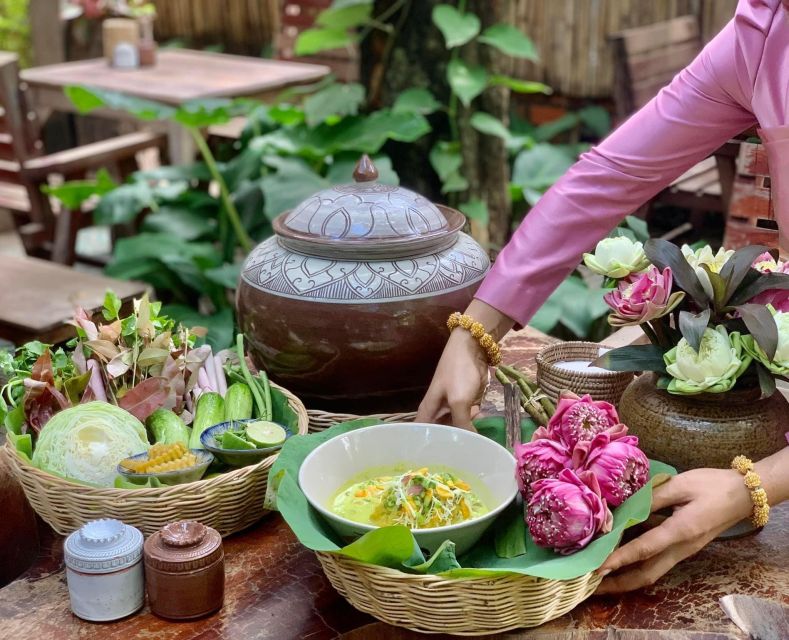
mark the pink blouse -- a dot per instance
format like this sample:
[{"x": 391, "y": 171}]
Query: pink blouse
[{"x": 741, "y": 78}]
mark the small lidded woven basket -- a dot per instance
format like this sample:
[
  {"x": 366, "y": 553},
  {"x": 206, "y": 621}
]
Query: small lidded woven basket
[{"x": 561, "y": 367}]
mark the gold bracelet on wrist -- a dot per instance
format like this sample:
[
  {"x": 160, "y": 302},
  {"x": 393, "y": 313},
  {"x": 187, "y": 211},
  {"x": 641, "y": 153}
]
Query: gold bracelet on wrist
[
  {"x": 478, "y": 332},
  {"x": 761, "y": 508}
]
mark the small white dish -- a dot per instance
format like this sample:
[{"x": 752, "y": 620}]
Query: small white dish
[{"x": 477, "y": 460}]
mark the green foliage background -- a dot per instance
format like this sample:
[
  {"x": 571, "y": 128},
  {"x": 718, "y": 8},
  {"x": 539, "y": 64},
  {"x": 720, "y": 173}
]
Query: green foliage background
[{"x": 14, "y": 29}]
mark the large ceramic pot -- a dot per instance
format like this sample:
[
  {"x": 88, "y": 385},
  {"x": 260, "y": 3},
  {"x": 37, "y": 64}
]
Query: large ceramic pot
[
  {"x": 706, "y": 430},
  {"x": 347, "y": 304}
]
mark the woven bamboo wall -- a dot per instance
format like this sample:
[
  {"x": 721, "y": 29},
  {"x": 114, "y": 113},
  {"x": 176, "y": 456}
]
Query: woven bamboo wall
[
  {"x": 239, "y": 26},
  {"x": 571, "y": 36}
]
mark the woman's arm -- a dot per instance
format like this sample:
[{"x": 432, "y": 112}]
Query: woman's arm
[
  {"x": 700, "y": 110},
  {"x": 706, "y": 502}
]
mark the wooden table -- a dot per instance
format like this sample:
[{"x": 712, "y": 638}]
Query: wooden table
[
  {"x": 179, "y": 76},
  {"x": 275, "y": 588},
  {"x": 37, "y": 298}
]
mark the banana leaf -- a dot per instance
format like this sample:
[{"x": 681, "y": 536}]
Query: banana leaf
[{"x": 395, "y": 547}]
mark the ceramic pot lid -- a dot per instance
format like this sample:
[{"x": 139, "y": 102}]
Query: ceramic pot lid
[
  {"x": 183, "y": 546},
  {"x": 367, "y": 219},
  {"x": 103, "y": 546}
]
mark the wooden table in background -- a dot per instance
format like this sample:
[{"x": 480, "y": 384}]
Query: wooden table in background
[
  {"x": 179, "y": 76},
  {"x": 37, "y": 298},
  {"x": 276, "y": 590}
]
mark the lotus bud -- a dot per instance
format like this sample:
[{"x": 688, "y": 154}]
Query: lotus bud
[
  {"x": 537, "y": 460},
  {"x": 621, "y": 468},
  {"x": 617, "y": 257},
  {"x": 578, "y": 419},
  {"x": 567, "y": 512},
  {"x": 643, "y": 297}
]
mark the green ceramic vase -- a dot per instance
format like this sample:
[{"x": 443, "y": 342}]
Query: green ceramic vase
[{"x": 706, "y": 430}]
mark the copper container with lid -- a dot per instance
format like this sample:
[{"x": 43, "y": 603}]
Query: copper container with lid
[
  {"x": 185, "y": 571},
  {"x": 346, "y": 305}
]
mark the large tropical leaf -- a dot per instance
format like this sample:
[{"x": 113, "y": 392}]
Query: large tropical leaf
[
  {"x": 467, "y": 81},
  {"x": 510, "y": 40}
]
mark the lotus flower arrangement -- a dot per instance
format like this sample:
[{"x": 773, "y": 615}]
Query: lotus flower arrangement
[
  {"x": 716, "y": 321},
  {"x": 574, "y": 470}
]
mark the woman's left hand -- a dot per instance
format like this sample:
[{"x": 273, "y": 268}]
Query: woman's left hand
[{"x": 706, "y": 502}]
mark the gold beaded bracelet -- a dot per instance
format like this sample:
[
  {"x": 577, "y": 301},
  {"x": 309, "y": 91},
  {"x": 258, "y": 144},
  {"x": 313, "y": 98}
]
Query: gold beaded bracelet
[
  {"x": 478, "y": 332},
  {"x": 761, "y": 509}
]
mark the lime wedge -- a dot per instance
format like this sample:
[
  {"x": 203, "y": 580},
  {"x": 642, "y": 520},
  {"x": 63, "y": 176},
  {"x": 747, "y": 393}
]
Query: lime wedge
[
  {"x": 265, "y": 434},
  {"x": 231, "y": 440}
]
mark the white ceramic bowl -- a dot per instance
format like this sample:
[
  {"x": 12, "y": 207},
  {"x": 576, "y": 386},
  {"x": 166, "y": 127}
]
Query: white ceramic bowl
[{"x": 478, "y": 460}]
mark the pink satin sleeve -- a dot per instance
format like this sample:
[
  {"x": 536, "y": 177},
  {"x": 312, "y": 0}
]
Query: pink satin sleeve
[{"x": 704, "y": 106}]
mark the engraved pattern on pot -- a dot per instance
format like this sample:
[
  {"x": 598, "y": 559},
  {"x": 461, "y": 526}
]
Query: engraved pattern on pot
[
  {"x": 273, "y": 268},
  {"x": 366, "y": 211}
]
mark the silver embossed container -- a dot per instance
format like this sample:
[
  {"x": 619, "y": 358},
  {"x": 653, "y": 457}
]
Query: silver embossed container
[{"x": 104, "y": 570}]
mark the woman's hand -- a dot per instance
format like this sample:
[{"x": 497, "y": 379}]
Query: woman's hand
[
  {"x": 458, "y": 384},
  {"x": 706, "y": 502}
]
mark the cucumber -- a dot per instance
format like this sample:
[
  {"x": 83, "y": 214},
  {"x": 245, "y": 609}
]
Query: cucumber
[
  {"x": 167, "y": 428},
  {"x": 238, "y": 402},
  {"x": 210, "y": 411}
]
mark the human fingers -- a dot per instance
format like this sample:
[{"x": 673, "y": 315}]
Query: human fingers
[
  {"x": 649, "y": 572},
  {"x": 670, "y": 493},
  {"x": 647, "y": 545},
  {"x": 460, "y": 408},
  {"x": 431, "y": 408}
]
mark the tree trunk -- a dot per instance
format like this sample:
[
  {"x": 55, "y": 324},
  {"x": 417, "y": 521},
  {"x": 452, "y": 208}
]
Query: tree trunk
[{"x": 416, "y": 56}]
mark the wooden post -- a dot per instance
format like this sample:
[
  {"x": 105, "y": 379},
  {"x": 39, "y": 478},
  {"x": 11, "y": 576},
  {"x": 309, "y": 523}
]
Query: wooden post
[{"x": 46, "y": 32}]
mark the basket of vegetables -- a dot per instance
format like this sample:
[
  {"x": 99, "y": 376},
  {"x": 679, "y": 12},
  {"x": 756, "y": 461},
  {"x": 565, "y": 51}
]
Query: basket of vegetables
[{"x": 113, "y": 425}]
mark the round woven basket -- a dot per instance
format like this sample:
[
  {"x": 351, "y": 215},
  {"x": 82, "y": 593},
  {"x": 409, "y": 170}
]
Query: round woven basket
[
  {"x": 467, "y": 607},
  {"x": 606, "y": 385},
  {"x": 321, "y": 420},
  {"x": 228, "y": 502}
]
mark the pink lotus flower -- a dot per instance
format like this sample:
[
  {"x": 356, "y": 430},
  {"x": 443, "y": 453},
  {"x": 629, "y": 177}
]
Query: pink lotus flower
[
  {"x": 565, "y": 513},
  {"x": 642, "y": 297},
  {"x": 579, "y": 419},
  {"x": 778, "y": 298},
  {"x": 537, "y": 460},
  {"x": 619, "y": 465}
]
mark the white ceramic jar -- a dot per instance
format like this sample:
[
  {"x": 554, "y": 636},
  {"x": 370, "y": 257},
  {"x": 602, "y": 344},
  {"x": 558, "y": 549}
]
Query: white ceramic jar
[{"x": 104, "y": 570}]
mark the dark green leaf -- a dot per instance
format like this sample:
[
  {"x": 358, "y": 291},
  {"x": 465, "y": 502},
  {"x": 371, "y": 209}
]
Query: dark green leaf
[
  {"x": 693, "y": 327},
  {"x": 761, "y": 326},
  {"x": 445, "y": 159},
  {"x": 641, "y": 357},
  {"x": 333, "y": 101},
  {"x": 196, "y": 171},
  {"x": 416, "y": 101},
  {"x": 549, "y": 130},
  {"x": 737, "y": 267},
  {"x": 454, "y": 182},
  {"x": 767, "y": 383},
  {"x": 638, "y": 227},
  {"x": 539, "y": 167},
  {"x": 206, "y": 112},
  {"x": 312, "y": 41},
  {"x": 662, "y": 254},
  {"x": 759, "y": 283},
  {"x": 456, "y": 27},
  {"x": 368, "y": 134},
  {"x": 486, "y": 123},
  {"x": 597, "y": 119},
  {"x": 510, "y": 40},
  {"x": 288, "y": 115},
  {"x": 87, "y": 99},
  {"x": 476, "y": 210},
  {"x": 124, "y": 204},
  {"x": 180, "y": 222},
  {"x": 281, "y": 411},
  {"x": 293, "y": 183},
  {"x": 74, "y": 193},
  {"x": 511, "y": 533},
  {"x": 347, "y": 17},
  {"x": 227, "y": 275},
  {"x": 466, "y": 81}
]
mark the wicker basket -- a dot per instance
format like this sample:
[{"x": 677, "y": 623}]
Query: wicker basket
[
  {"x": 468, "y": 607},
  {"x": 322, "y": 420},
  {"x": 228, "y": 502},
  {"x": 607, "y": 385}
]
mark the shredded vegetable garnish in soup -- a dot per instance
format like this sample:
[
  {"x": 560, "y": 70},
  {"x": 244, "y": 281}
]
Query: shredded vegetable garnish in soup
[{"x": 417, "y": 499}]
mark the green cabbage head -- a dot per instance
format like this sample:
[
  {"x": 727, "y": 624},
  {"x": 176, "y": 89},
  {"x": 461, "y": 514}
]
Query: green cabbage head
[
  {"x": 85, "y": 443},
  {"x": 779, "y": 365},
  {"x": 715, "y": 368}
]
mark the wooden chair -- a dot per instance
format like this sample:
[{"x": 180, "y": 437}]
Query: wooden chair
[
  {"x": 24, "y": 169},
  {"x": 645, "y": 60}
]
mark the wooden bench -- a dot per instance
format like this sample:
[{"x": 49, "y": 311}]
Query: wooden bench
[{"x": 38, "y": 298}]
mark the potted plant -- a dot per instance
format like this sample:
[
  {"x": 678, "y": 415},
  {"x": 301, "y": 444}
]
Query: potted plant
[{"x": 718, "y": 329}]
